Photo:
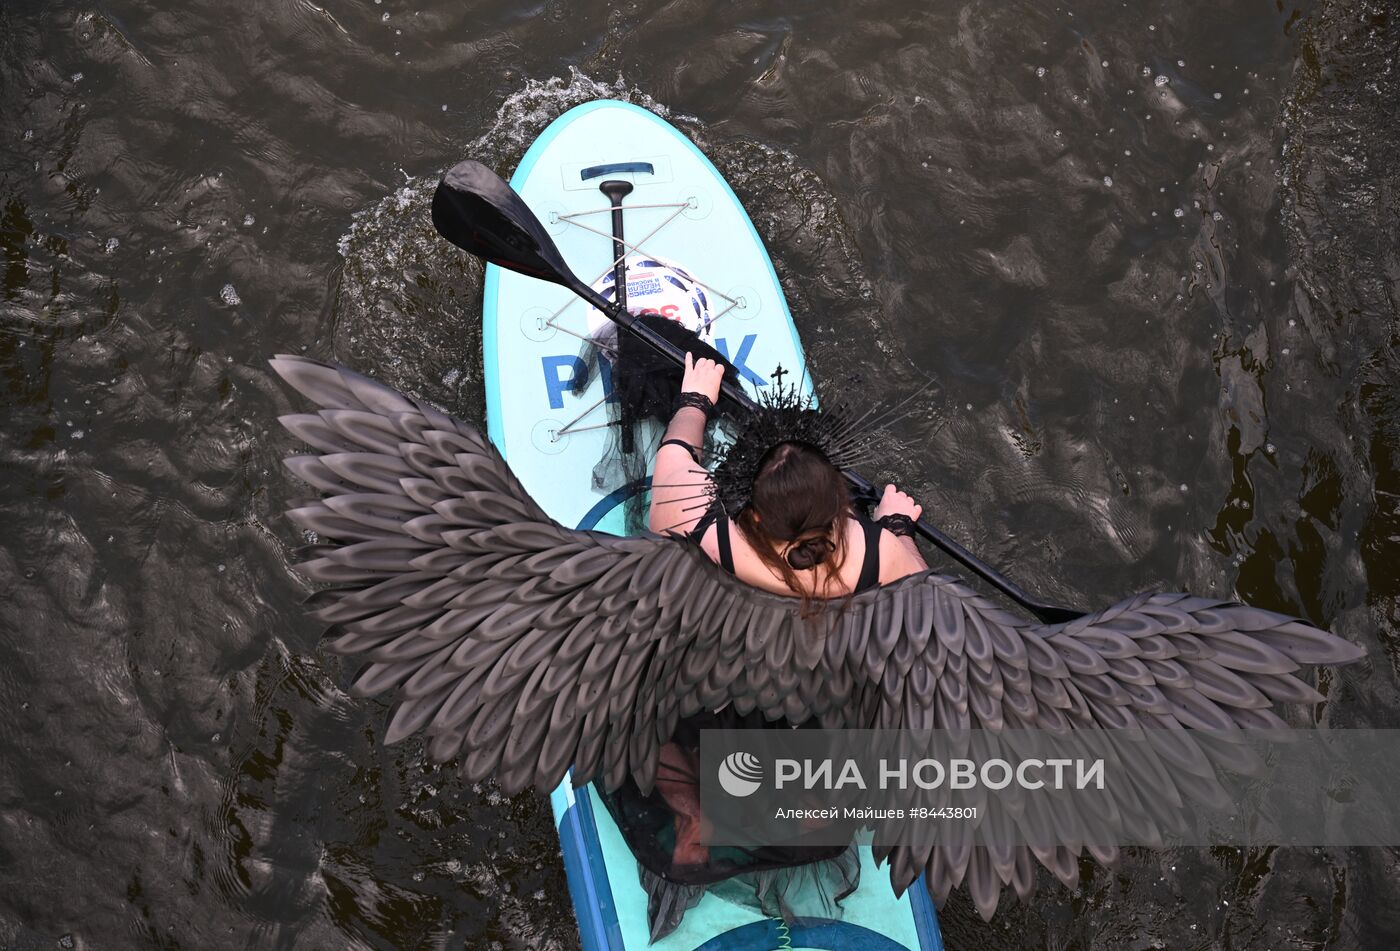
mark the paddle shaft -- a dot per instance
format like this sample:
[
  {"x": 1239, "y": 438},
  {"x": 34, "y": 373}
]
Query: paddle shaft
[{"x": 617, "y": 312}]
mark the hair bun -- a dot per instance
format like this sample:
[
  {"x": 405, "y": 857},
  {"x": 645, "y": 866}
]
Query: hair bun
[{"x": 809, "y": 552}]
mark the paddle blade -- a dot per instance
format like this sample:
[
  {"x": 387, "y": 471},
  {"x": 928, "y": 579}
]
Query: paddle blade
[{"x": 479, "y": 213}]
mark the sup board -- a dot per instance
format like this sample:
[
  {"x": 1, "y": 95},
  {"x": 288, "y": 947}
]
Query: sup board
[{"x": 681, "y": 214}]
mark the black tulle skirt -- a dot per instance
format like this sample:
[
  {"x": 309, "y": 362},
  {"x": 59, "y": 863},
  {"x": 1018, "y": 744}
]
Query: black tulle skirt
[{"x": 779, "y": 881}]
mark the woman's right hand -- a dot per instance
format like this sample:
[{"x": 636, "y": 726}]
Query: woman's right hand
[
  {"x": 895, "y": 502},
  {"x": 702, "y": 376}
]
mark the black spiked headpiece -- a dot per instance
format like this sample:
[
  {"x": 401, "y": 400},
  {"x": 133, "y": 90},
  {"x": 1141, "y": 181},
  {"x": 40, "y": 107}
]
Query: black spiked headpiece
[{"x": 784, "y": 414}]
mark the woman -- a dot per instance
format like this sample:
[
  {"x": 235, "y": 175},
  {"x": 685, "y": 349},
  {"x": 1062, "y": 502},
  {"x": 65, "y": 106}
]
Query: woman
[{"x": 798, "y": 536}]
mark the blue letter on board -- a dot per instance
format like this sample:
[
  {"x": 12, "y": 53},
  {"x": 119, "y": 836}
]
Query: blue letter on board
[
  {"x": 745, "y": 346},
  {"x": 556, "y": 384}
]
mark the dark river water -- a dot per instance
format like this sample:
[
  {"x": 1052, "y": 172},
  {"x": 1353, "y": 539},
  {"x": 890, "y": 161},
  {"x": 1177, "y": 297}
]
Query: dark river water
[{"x": 1142, "y": 257}]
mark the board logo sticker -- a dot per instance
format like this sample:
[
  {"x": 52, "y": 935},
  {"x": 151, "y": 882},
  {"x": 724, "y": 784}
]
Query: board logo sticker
[{"x": 657, "y": 286}]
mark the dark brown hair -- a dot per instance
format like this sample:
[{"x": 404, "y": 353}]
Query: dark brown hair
[{"x": 799, "y": 500}]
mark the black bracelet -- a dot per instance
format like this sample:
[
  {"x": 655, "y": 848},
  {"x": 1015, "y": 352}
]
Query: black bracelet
[
  {"x": 901, "y": 525},
  {"x": 697, "y": 401}
]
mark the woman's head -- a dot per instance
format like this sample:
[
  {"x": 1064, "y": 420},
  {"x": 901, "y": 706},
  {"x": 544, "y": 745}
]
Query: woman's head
[{"x": 799, "y": 502}]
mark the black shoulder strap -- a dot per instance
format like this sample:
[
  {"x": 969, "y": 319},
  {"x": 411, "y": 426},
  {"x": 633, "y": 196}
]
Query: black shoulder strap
[
  {"x": 698, "y": 532},
  {"x": 870, "y": 566},
  {"x": 726, "y": 554}
]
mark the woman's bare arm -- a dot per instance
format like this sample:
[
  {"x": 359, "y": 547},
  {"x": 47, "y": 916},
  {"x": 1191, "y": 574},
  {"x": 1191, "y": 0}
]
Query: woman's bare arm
[
  {"x": 680, "y": 486},
  {"x": 899, "y": 555}
]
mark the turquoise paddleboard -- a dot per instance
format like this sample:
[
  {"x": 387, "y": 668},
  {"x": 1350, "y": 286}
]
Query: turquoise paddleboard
[{"x": 680, "y": 211}]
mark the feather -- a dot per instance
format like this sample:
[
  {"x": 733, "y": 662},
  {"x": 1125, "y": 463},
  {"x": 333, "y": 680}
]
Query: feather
[{"x": 948, "y": 620}]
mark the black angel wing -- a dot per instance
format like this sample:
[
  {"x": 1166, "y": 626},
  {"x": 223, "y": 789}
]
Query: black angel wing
[
  {"x": 525, "y": 648},
  {"x": 1163, "y": 662},
  {"x": 520, "y": 646}
]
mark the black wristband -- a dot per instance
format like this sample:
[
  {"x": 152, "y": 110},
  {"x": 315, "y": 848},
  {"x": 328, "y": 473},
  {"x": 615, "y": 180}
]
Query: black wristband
[
  {"x": 697, "y": 401},
  {"x": 901, "y": 525}
]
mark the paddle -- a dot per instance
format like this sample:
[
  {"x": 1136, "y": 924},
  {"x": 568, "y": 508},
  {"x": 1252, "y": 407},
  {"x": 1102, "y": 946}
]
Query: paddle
[{"x": 477, "y": 211}]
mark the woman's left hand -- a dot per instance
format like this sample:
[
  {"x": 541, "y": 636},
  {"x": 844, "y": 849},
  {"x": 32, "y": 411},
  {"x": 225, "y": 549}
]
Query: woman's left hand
[
  {"x": 895, "y": 502},
  {"x": 702, "y": 376}
]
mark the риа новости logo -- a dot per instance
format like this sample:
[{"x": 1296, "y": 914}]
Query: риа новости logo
[{"x": 740, "y": 774}]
